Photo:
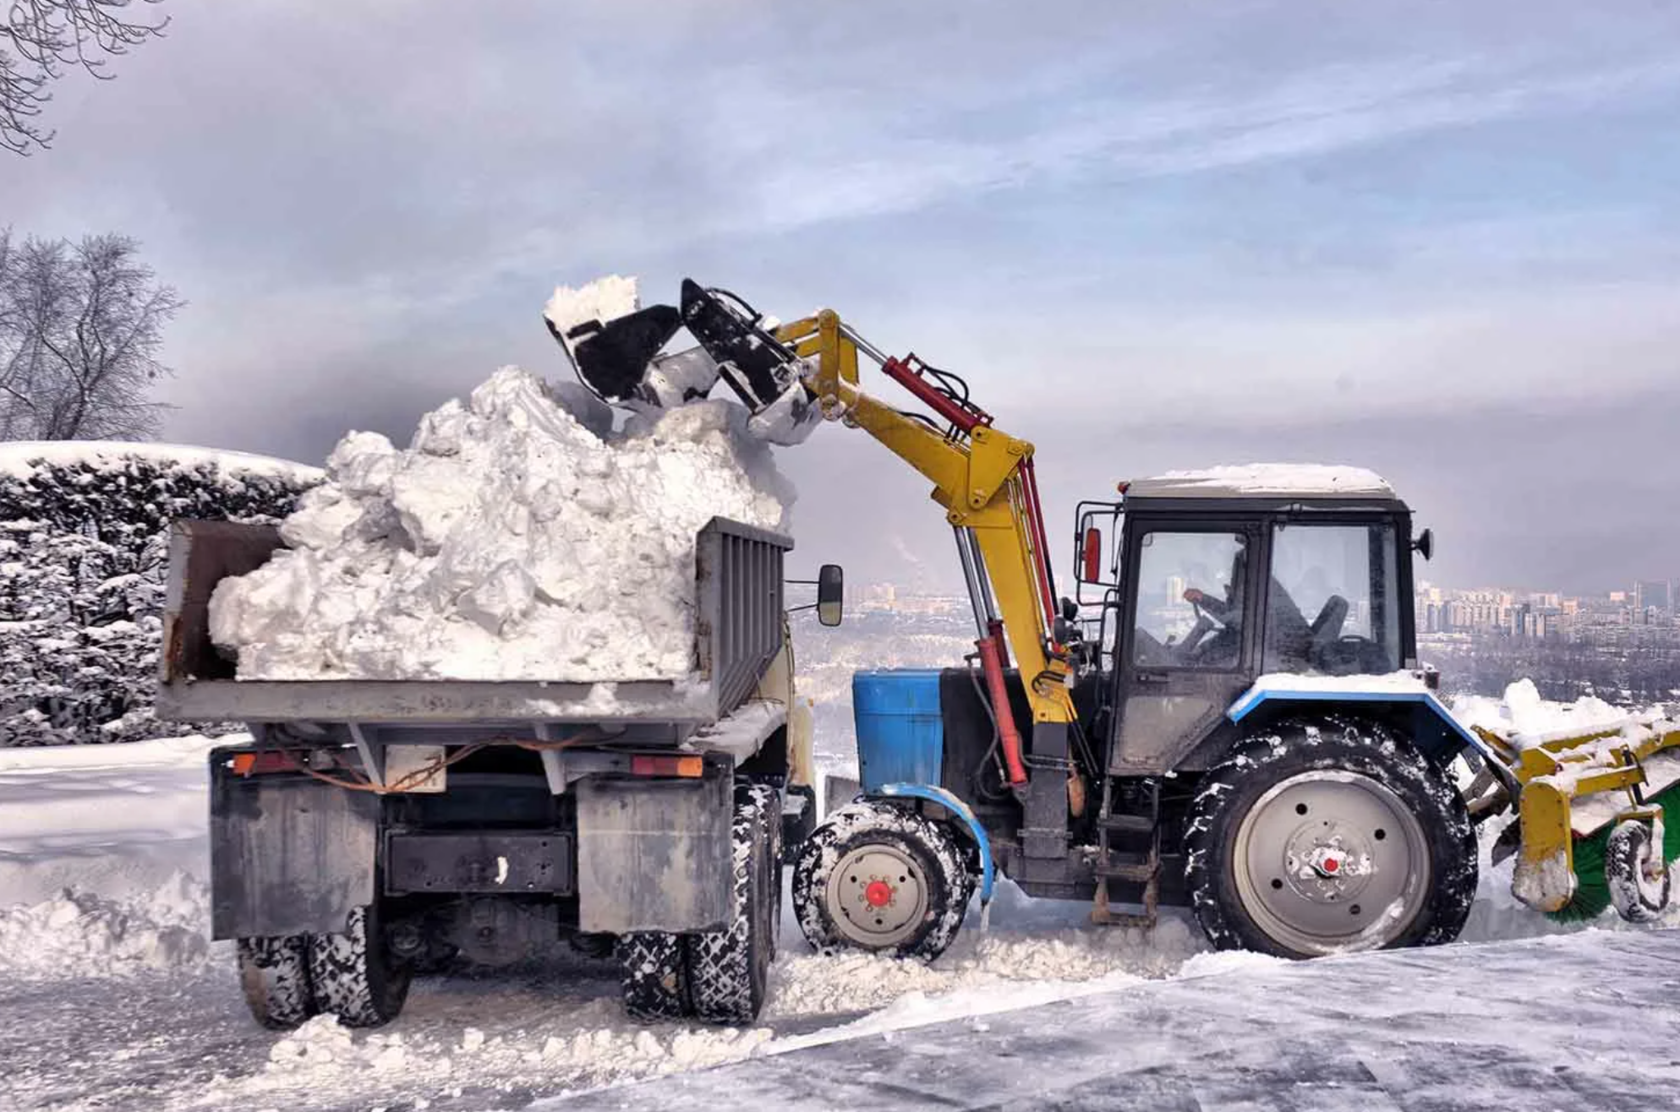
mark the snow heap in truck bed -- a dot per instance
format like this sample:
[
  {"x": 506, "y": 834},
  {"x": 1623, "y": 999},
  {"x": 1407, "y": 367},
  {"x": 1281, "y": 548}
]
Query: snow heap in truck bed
[{"x": 518, "y": 537}]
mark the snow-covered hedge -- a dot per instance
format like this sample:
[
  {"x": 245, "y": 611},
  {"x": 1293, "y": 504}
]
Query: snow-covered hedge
[{"x": 83, "y": 557}]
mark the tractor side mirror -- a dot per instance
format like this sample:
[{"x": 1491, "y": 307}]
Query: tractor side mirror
[
  {"x": 1090, "y": 554},
  {"x": 831, "y": 594},
  {"x": 1425, "y": 544}
]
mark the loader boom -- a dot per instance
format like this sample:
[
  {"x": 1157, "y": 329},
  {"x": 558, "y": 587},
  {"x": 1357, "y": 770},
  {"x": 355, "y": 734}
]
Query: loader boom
[
  {"x": 795, "y": 374},
  {"x": 983, "y": 478}
]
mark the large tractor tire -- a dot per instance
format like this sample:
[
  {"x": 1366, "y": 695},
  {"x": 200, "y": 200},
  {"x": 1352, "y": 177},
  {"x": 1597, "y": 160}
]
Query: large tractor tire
[
  {"x": 653, "y": 975},
  {"x": 274, "y": 972},
  {"x": 874, "y": 876},
  {"x": 353, "y": 974},
  {"x": 1328, "y": 837},
  {"x": 729, "y": 969}
]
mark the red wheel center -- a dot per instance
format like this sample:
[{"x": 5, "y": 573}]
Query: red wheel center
[
  {"x": 878, "y": 894},
  {"x": 1331, "y": 864}
]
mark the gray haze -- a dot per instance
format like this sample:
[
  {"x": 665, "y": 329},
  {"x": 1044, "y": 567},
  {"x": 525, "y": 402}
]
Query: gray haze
[{"x": 1435, "y": 239}]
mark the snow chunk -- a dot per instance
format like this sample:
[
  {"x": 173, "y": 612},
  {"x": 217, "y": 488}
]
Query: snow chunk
[
  {"x": 602, "y": 300},
  {"x": 510, "y": 540},
  {"x": 1324, "y": 480}
]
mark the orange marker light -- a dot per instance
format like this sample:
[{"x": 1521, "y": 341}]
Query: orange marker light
[{"x": 691, "y": 767}]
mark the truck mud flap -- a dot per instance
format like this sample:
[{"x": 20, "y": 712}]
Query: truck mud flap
[
  {"x": 654, "y": 855},
  {"x": 287, "y": 856}
]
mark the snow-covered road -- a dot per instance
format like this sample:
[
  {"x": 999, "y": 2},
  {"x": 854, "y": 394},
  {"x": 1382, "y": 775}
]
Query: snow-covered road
[
  {"x": 1584, "y": 1023},
  {"x": 112, "y": 998}
]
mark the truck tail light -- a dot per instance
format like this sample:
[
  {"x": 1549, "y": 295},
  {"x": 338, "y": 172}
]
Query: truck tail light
[
  {"x": 690, "y": 767},
  {"x": 263, "y": 761}
]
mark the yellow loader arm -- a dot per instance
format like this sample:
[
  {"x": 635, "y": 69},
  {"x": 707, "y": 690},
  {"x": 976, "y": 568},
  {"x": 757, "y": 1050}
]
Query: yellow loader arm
[{"x": 983, "y": 478}]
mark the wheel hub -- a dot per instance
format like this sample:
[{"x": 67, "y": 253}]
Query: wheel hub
[
  {"x": 1331, "y": 860},
  {"x": 877, "y": 896}
]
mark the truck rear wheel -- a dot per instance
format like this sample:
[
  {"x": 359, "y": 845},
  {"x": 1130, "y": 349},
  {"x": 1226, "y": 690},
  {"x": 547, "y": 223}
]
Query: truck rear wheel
[
  {"x": 653, "y": 974},
  {"x": 274, "y": 972},
  {"x": 880, "y": 877},
  {"x": 353, "y": 974},
  {"x": 1329, "y": 837},
  {"x": 729, "y": 969}
]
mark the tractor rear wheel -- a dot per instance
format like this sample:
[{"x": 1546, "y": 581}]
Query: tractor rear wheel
[
  {"x": 878, "y": 877},
  {"x": 1329, "y": 837}
]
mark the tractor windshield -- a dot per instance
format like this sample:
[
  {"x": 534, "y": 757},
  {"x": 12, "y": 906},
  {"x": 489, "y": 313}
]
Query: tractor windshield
[{"x": 1341, "y": 581}]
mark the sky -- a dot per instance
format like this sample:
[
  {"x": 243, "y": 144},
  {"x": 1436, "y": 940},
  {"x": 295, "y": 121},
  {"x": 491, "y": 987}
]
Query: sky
[{"x": 1440, "y": 240}]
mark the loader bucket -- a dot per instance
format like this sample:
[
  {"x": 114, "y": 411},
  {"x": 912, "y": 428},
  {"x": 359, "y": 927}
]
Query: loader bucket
[{"x": 612, "y": 358}]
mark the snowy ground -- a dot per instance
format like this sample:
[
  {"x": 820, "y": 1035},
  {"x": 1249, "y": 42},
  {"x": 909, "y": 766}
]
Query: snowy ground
[{"x": 112, "y": 998}]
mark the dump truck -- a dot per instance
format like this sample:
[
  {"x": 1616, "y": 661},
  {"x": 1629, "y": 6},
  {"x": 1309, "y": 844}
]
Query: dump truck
[
  {"x": 369, "y": 829},
  {"x": 1229, "y": 713}
]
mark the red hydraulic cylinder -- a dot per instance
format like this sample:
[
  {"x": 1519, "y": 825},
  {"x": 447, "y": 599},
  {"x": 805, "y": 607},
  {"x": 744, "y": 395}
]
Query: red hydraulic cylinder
[{"x": 992, "y": 665}]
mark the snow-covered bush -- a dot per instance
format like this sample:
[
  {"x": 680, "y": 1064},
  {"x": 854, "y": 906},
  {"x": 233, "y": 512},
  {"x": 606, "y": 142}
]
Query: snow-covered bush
[{"x": 83, "y": 558}]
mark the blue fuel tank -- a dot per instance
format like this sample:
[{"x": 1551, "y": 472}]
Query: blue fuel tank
[{"x": 900, "y": 734}]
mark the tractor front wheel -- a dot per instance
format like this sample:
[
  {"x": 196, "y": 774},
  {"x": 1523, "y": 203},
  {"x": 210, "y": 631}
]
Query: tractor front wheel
[
  {"x": 874, "y": 876},
  {"x": 1329, "y": 837}
]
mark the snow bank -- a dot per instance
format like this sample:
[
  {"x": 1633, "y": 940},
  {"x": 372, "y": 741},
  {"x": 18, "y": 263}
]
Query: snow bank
[
  {"x": 516, "y": 537},
  {"x": 21, "y": 458},
  {"x": 78, "y": 933}
]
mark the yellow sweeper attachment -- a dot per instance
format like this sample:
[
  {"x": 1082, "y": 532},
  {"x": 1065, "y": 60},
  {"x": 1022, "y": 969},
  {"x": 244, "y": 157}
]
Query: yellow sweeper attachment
[{"x": 1589, "y": 831}]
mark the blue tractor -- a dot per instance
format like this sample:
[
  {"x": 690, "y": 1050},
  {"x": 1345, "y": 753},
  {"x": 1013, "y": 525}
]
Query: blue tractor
[{"x": 1228, "y": 714}]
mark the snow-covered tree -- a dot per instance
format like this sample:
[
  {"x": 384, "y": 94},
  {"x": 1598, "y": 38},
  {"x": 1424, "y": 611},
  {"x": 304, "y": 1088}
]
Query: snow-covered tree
[
  {"x": 83, "y": 560},
  {"x": 81, "y": 325}
]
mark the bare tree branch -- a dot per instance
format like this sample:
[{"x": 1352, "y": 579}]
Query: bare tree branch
[
  {"x": 80, "y": 329},
  {"x": 45, "y": 37}
]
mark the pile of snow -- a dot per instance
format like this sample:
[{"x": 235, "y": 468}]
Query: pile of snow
[
  {"x": 1527, "y": 719},
  {"x": 597, "y": 1047},
  {"x": 517, "y": 537},
  {"x": 80, "y": 933}
]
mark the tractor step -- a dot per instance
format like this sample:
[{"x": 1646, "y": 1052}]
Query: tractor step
[
  {"x": 1134, "y": 867},
  {"x": 1140, "y": 872}
]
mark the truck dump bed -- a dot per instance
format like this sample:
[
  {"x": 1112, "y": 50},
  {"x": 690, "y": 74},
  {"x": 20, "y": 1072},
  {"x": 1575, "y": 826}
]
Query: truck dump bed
[{"x": 738, "y": 572}]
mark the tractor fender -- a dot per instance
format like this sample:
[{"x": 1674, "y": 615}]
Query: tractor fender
[
  {"x": 958, "y": 808},
  {"x": 1429, "y": 724}
]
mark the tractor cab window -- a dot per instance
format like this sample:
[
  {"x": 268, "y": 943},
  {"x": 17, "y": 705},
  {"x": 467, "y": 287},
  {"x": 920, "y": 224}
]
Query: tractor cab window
[
  {"x": 1333, "y": 604},
  {"x": 1190, "y": 588}
]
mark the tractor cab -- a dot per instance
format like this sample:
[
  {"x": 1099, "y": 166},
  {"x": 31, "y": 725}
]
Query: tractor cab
[{"x": 1219, "y": 578}]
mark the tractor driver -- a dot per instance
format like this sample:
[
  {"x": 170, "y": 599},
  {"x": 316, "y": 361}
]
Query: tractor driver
[{"x": 1288, "y": 636}]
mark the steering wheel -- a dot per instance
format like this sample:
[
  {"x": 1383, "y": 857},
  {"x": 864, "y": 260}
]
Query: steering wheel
[{"x": 1187, "y": 650}]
